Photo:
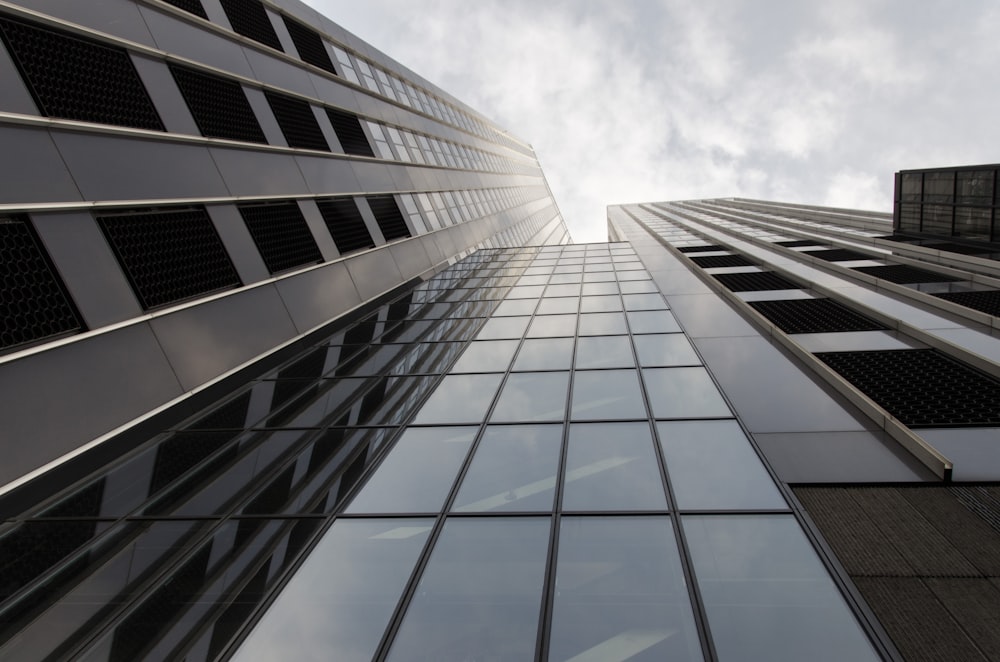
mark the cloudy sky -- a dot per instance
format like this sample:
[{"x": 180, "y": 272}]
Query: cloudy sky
[{"x": 640, "y": 100}]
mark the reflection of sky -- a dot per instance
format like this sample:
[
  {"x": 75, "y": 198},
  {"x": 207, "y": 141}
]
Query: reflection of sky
[{"x": 673, "y": 99}]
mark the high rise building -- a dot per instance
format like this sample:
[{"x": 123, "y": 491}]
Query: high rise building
[{"x": 297, "y": 362}]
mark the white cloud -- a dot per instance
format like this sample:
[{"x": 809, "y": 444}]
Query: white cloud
[{"x": 642, "y": 100}]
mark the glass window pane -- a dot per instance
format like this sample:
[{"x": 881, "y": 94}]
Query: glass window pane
[
  {"x": 503, "y": 327},
  {"x": 460, "y": 399},
  {"x": 535, "y": 396},
  {"x": 525, "y": 292},
  {"x": 767, "y": 595},
  {"x": 339, "y": 602},
  {"x": 622, "y": 594},
  {"x": 713, "y": 467},
  {"x": 602, "y": 304},
  {"x": 607, "y": 394},
  {"x": 545, "y": 354},
  {"x": 559, "y": 305},
  {"x": 563, "y": 290},
  {"x": 602, "y": 277},
  {"x": 481, "y": 591},
  {"x": 604, "y": 352},
  {"x": 514, "y": 469},
  {"x": 638, "y": 287},
  {"x": 653, "y": 322},
  {"x": 602, "y": 324},
  {"x": 665, "y": 350},
  {"x": 486, "y": 356},
  {"x": 593, "y": 289},
  {"x": 515, "y": 307},
  {"x": 644, "y": 302},
  {"x": 683, "y": 393},
  {"x": 611, "y": 466},
  {"x": 418, "y": 472},
  {"x": 550, "y": 326}
]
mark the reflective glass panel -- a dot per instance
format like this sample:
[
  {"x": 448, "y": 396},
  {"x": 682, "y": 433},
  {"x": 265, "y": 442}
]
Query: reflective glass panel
[
  {"x": 558, "y": 305},
  {"x": 480, "y": 594},
  {"x": 532, "y": 396},
  {"x": 621, "y": 592},
  {"x": 602, "y": 324},
  {"x": 563, "y": 290},
  {"x": 525, "y": 292},
  {"x": 644, "y": 302},
  {"x": 486, "y": 356},
  {"x": 545, "y": 354},
  {"x": 683, "y": 393},
  {"x": 767, "y": 595},
  {"x": 503, "y": 327},
  {"x": 607, "y": 394},
  {"x": 665, "y": 350},
  {"x": 601, "y": 277},
  {"x": 604, "y": 352},
  {"x": 713, "y": 467},
  {"x": 418, "y": 472},
  {"x": 339, "y": 602},
  {"x": 514, "y": 307},
  {"x": 514, "y": 469},
  {"x": 550, "y": 326},
  {"x": 460, "y": 399},
  {"x": 652, "y": 322},
  {"x": 592, "y": 289},
  {"x": 637, "y": 287},
  {"x": 611, "y": 466},
  {"x": 601, "y": 304}
]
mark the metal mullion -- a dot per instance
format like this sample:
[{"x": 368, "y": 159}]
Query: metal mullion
[
  {"x": 403, "y": 605},
  {"x": 548, "y": 585},
  {"x": 687, "y": 566}
]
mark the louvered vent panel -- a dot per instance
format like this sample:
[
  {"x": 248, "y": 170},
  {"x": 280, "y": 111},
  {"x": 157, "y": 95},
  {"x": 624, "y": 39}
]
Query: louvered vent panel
[
  {"x": 814, "y": 316},
  {"x": 838, "y": 255},
  {"x": 79, "y": 79},
  {"x": 309, "y": 45},
  {"x": 388, "y": 216},
  {"x": 700, "y": 249},
  {"x": 345, "y": 223},
  {"x": 987, "y": 301},
  {"x": 297, "y": 122},
  {"x": 711, "y": 261},
  {"x": 249, "y": 18},
  {"x": 349, "y": 132},
  {"x": 33, "y": 302},
  {"x": 757, "y": 281},
  {"x": 921, "y": 387},
  {"x": 901, "y": 273},
  {"x": 191, "y": 6},
  {"x": 219, "y": 106},
  {"x": 281, "y": 234},
  {"x": 171, "y": 255},
  {"x": 793, "y": 243}
]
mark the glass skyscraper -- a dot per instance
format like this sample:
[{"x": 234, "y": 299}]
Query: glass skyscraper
[{"x": 298, "y": 360}]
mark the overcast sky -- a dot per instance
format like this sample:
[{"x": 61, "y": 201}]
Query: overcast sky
[{"x": 642, "y": 100}]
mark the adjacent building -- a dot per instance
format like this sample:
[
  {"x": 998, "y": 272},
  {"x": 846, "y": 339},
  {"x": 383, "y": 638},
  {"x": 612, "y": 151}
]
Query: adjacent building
[{"x": 297, "y": 360}]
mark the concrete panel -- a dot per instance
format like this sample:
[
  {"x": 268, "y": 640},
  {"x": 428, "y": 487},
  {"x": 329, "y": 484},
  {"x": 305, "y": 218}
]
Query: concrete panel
[
  {"x": 204, "y": 341},
  {"x": 238, "y": 242},
  {"x": 319, "y": 295},
  {"x": 54, "y": 401},
  {"x": 411, "y": 257},
  {"x": 327, "y": 176},
  {"x": 166, "y": 95},
  {"x": 117, "y": 168},
  {"x": 834, "y": 457},
  {"x": 262, "y": 109},
  {"x": 179, "y": 37},
  {"x": 41, "y": 178},
  {"x": 271, "y": 70},
  {"x": 708, "y": 316},
  {"x": 320, "y": 232},
  {"x": 770, "y": 392},
  {"x": 14, "y": 96},
  {"x": 374, "y": 272},
  {"x": 120, "y": 18},
  {"x": 88, "y": 267},
  {"x": 248, "y": 172}
]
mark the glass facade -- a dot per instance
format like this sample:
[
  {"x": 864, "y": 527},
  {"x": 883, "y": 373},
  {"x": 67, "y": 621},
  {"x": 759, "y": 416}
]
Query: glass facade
[{"x": 470, "y": 469}]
